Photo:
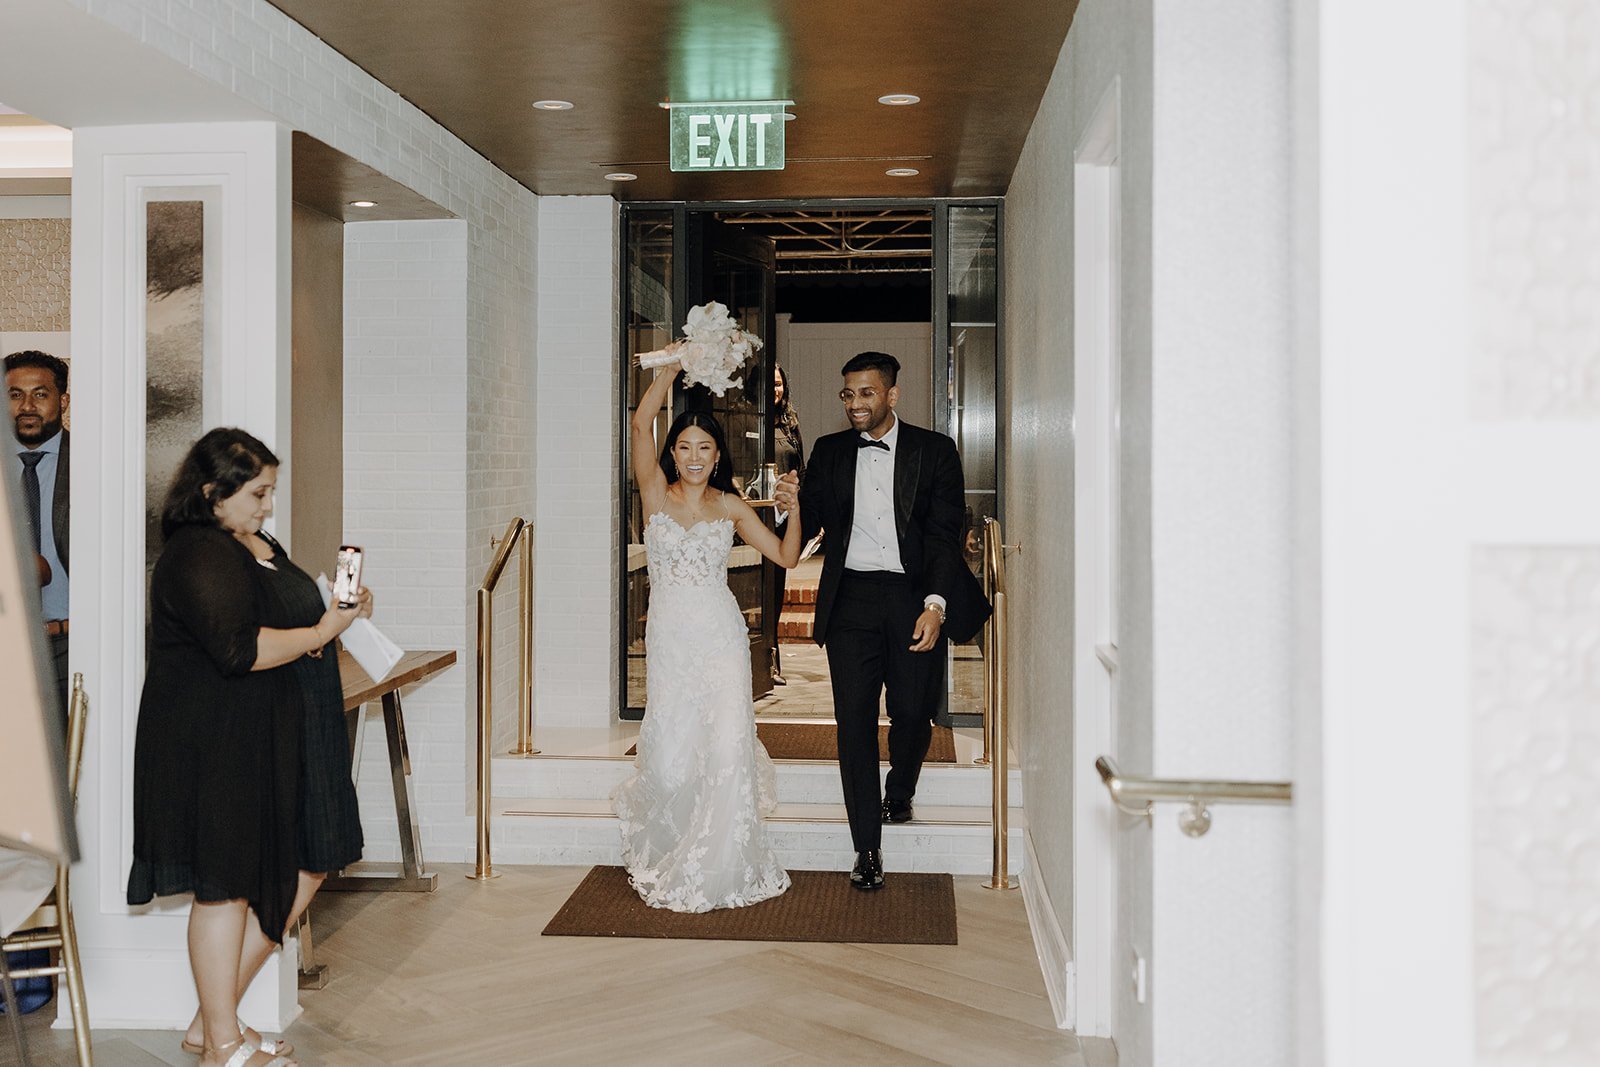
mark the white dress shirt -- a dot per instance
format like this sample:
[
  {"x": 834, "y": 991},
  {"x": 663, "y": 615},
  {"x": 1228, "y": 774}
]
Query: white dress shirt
[
  {"x": 874, "y": 543},
  {"x": 53, "y": 597}
]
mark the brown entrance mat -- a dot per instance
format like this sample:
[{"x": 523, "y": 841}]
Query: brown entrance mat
[
  {"x": 910, "y": 909},
  {"x": 819, "y": 741}
]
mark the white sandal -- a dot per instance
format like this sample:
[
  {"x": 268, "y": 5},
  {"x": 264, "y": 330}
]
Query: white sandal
[
  {"x": 246, "y": 1051},
  {"x": 271, "y": 1047}
]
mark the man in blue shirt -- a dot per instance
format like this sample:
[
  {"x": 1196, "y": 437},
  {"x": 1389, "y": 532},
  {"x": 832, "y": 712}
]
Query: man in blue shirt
[{"x": 36, "y": 384}]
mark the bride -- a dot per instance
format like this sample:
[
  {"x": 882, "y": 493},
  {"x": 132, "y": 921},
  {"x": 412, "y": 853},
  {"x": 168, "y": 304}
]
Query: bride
[{"x": 692, "y": 837}]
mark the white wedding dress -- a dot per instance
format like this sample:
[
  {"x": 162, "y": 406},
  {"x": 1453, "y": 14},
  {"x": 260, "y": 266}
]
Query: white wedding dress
[{"x": 692, "y": 837}]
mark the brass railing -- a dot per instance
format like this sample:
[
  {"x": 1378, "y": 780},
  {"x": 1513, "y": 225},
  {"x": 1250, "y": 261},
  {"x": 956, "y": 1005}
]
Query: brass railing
[
  {"x": 1195, "y": 794},
  {"x": 995, "y": 698},
  {"x": 518, "y": 533}
]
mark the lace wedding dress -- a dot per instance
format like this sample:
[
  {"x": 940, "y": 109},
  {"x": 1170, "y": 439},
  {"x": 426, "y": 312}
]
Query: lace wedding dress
[{"x": 692, "y": 837}]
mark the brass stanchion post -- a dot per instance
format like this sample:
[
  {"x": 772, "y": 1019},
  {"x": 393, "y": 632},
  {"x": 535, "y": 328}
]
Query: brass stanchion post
[
  {"x": 995, "y": 735},
  {"x": 483, "y": 870},
  {"x": 525, "y": 651}
]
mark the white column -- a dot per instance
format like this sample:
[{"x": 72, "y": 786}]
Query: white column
[
  {"x": 577, "y": 513},
  {"x": 1222, "y": 497},
  {"x": 135, "y": 962}
]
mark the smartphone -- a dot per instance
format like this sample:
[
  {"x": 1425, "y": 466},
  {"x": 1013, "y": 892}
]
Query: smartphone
[{"x": 347, "y": 576}]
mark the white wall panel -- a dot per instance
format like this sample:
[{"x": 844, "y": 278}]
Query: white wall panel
[
  {"x": 1534, "y": 136},
  {"x": 1221, "y": 493},
  {"x": 576, "y": 588},
  {"x": 1536, "y": 847},
  {"x": 405, "y": 430},
  {"x": 1534, "y": 221},
  {"x": 1108, "y": 46}
]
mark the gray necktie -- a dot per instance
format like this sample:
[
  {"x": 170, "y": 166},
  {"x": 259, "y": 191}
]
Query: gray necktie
[{"x": 30, "y": 492}]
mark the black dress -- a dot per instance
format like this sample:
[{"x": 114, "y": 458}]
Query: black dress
[
  {"x": 216, "y": 762},
  {"x": 330, "y": 818},
  {"x": 241, "y": 778},
  {"x": 789, "y": 452}
]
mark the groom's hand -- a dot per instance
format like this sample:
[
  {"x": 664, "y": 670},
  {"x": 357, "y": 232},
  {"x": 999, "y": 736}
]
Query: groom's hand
[{"x": 926, "y": 634}]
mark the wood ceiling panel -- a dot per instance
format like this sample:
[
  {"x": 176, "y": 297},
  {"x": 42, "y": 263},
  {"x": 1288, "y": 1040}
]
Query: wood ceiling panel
[
  {"x": 476, "y": 66},
  {"x": 327, "y": 180}
]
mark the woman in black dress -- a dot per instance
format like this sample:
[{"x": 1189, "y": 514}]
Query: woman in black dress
[
  {"x": 789, "y": 452},
  {"x": 242, "y": 792}
]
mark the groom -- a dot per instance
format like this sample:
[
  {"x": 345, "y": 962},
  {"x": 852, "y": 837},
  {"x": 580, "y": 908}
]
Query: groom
[{"x": 894, "y": 588}]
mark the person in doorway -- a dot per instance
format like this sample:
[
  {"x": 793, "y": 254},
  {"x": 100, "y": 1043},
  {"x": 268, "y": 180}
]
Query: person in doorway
[
  {"x": 241, "y": 791},
  {"x": 692, "y": 836},
  {"x": 789, "y": 455},
  {"x": 893, "y": 590},
  {"x": 36, "y": 384}
]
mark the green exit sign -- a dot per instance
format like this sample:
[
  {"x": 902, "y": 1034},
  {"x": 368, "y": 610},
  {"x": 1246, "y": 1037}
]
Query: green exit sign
[{"x": 728, "y": 136}]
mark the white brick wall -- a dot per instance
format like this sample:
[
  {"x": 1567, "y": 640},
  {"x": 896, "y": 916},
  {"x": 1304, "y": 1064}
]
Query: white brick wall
[
  {"x": 405, "y": 431},
  {"x": 576, "y": 594},
  {"x": 481, "y": 406}
]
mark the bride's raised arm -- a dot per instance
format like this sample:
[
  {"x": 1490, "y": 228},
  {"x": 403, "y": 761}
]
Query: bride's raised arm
[{"x": 646, "y": 463}]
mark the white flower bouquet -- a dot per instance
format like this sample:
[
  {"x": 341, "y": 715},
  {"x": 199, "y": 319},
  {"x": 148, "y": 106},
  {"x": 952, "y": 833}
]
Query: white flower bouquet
[{"x": 712, "y": 351}]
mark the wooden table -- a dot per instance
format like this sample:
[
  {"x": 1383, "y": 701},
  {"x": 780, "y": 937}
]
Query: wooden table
[{"x": 408, "y": 875}]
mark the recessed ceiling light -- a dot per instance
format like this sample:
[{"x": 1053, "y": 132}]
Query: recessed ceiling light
[
  {"x": 621, "y": 176},
  {"x": 899, "y": 99},
  {"x": 363, "y": 203},
  {"x": 553, "y": 105},
  {"x": 902, "y": 172}
]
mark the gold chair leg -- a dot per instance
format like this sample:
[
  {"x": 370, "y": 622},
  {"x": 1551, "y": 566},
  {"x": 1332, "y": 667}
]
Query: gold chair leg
[{"x": 73, "y": 974}]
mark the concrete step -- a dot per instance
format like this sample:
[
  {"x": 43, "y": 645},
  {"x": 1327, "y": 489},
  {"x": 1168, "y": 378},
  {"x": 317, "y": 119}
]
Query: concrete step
[
  {"x": 809, "y": 837},
  {"x": 594, "y": 778}
]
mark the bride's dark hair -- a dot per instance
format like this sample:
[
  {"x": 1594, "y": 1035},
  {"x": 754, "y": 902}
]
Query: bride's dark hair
[{"x": 722, "y": 474}]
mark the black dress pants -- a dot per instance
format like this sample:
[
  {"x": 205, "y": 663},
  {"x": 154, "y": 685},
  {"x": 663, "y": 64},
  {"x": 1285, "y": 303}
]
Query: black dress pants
[{"x": 868, "y": 643}]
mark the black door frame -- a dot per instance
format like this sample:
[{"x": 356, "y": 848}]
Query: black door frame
[{"x": 939, "y": 317}]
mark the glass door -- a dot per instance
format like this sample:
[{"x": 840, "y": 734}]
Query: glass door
[
  {"x": 967, "y": 401},
  {"x": 677, "y": 256},
  {"x": 739, "y": 269},
  {"x": 649, "y": 316},
  {"x": 713, "y": 262}
]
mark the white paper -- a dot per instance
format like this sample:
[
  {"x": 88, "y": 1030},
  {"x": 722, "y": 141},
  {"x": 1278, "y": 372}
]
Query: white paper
[
  {"x": 25, "y": 881},
  {"x": 368, "y": 645}
]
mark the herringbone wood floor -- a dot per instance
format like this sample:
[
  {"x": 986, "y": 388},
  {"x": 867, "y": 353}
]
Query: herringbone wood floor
[{"x": 462, "y": 976}]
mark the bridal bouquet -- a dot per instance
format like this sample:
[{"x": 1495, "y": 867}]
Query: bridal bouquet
[{"x": 712, "y": 351}]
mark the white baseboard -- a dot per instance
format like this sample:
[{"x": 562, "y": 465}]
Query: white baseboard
[
  {"x": 1049, "y": 941},
  {"x": 155, "y": 991}
]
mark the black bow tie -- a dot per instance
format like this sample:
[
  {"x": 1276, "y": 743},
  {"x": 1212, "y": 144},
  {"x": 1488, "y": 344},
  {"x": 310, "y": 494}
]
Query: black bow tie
[{"x": 867, "y": 442}]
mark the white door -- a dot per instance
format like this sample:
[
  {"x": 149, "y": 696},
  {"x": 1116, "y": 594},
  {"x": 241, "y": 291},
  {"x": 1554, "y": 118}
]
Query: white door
[
  {"x": 1096, "y": 535},
  {"x": 1452, "y": 851}
]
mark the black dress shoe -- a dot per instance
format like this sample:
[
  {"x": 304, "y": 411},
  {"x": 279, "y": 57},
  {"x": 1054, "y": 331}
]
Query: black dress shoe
[
  {"x": 867, "y": 874},
  {"x": 893, "y": 812}
]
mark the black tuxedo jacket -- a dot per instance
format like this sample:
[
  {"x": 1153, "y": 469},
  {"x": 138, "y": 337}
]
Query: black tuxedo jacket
[
  {"x": 59, "y": 511},
  {"x": 929, "y": 509}
]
